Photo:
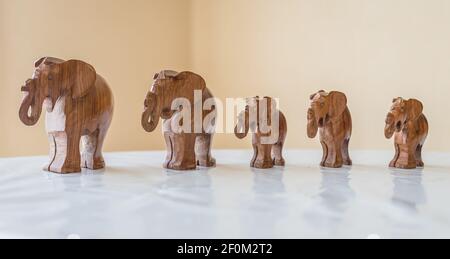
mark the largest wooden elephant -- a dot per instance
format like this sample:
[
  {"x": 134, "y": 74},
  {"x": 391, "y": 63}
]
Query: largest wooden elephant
[
  {"x": 79, "y": 105},
  {"x": 189, "y": 148}
]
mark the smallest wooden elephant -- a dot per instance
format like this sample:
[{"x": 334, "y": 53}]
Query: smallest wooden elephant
[
  {"x": 406, "y": 122},
  {"x": 269, "y": 128}
]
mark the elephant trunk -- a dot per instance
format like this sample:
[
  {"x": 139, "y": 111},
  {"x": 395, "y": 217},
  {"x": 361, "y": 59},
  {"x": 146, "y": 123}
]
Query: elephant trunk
[
  {"x": 313, "y": 127},
  {"x": 390, "y": 126},
  {"x": 243, "y": 120},
  {"x": 31, "y": 108},
  {"x": 151, "y": 114}
]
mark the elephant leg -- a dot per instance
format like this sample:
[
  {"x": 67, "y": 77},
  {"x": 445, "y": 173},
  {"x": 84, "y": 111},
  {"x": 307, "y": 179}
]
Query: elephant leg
[
  {"x": 264, "y": 159},
  {"x": 169, "y": 145},
  {"x": 407, "y": 157},
  {"x": 89, "y": 145},
  {"x": 339, "y": 161},
  {"x": 325, "y": 153},
  {"x": 346, "y": 154},
  {"x": 334, "y": 158},
  {"x": 277, "y": 152},
  {"x": 183, "y": 152},
  {"x": 52, "y": 151},
  {"x": 255, "y": 155},
  {"x": 67, "y": 157},
  {"x": 419, "y": 160},
  {"x": 99, "y": 161},
  {"x": 203, "y": 146},
  {"x": 397, "y": 155},
  {"x": 92, "y": 156}
]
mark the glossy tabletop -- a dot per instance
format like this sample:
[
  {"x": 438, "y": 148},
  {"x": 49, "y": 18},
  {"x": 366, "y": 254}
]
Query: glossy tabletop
[{"x": 135, "y": 198}]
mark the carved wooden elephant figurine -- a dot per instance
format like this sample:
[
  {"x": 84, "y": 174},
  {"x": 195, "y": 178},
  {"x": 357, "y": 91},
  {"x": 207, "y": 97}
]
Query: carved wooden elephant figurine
[
  {"x": 268, "y": 137},
  {"x": 79, "y": 105},
  {"x": 409, "y": 126},
  {"x": 187, "y": 147},
  {"x": 329, "y": 114}
]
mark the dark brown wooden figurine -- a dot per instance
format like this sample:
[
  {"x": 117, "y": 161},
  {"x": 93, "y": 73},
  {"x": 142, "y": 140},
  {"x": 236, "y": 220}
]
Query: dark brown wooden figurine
[
  {"x": 330, "y": 114},
  {"x": 268, "y": 137},
  {"x": 176, "y": 98},
  {"x": 79, "y": 105},
  {"x": 409, "y": 126}
]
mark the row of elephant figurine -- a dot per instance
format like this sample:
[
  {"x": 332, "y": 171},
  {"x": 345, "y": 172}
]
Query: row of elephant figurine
[{"x": 79, "y": 109}]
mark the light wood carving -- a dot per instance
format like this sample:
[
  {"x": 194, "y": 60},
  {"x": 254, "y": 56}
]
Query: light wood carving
[{"x": 79, "y": 109}]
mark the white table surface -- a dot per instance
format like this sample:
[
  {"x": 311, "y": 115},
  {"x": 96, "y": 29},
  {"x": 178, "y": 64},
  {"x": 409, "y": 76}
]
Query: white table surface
[{"x": 135, "y": 198}]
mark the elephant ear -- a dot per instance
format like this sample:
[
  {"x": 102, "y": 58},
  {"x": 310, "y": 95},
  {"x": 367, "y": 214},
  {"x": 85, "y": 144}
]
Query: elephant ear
[
  {"x": 338, "y": 104},
  {"x": 414, "y": 109},
  {"x": 78, "y": 77}
]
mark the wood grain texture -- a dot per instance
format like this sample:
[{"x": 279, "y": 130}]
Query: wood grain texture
[
  {"x": 189, "y": 148},
  {"x": 330, "y": 115},
  {"x": 409, "y": 126},
  {"x": 79, "y": 108},
  {"x": 265, "y": 155}
]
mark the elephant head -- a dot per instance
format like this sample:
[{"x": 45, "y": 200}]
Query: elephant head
[
  {"x": 252, "y": 118},
  {"x": 167, "y": 87},
  {"x": 402, "y": 112},
  {"x": 52, "y": 79},
  {"x": 325, "y": 107}
]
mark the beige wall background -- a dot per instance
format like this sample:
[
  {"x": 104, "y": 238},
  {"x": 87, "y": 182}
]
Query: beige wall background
[
  {"x": 127, "y": 41},
  {"x": 373, "y": 50}
]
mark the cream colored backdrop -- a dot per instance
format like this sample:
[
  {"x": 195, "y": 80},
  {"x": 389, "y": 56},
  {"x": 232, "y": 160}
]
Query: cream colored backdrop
[
  {"x": 373, "y": 50},
  {"x": 127, "y": 41}
]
